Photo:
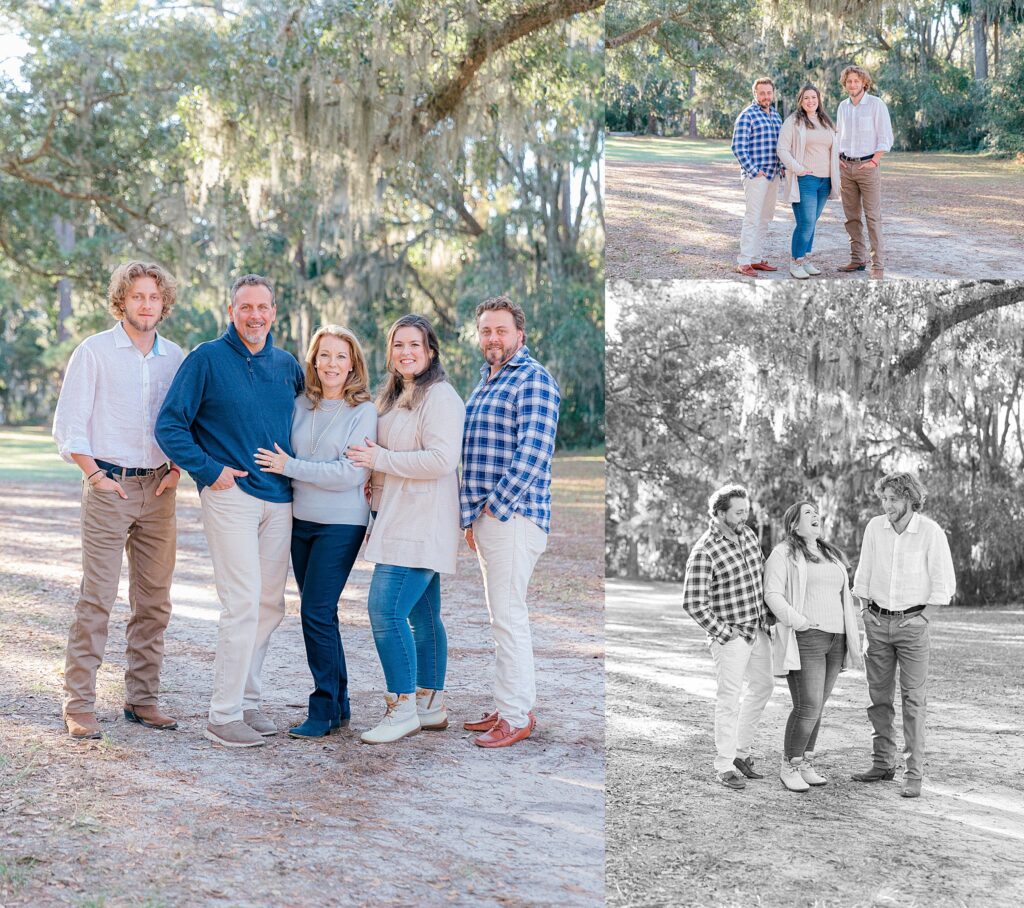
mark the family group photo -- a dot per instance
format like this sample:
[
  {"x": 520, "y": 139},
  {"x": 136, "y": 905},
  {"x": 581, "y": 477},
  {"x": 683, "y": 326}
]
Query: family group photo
[
  {"x": 801, "y": 141},
  {"x": 301, "y": 425},
  {"x": 810, "y": 603}
]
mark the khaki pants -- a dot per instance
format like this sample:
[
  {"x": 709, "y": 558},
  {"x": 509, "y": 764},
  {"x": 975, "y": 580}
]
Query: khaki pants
[
  {"x": 759, "y": 195},
  {"x": 737, "y": 716},
  {"x": 892, "y": 642},
  {"x": 143, "y": 526},
  {"x": 249, "y": 541},
  {"x": 861, "y": 191},
  {"x": 508, "y": 552}
]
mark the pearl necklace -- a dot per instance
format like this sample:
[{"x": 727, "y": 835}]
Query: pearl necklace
[{"x": 313, "y": 445}]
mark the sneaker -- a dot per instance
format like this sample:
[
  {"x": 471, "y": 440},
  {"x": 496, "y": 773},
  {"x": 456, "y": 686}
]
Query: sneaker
[
  {"x": 790, "y": 775},
  {"x": 430, "y": 708},
  {"x": 400, "y": 720},
  {"x": 733, "y": 780},
  {"x": 259, "y": 722},
  {"x": 234, "y": 734},
  {"x": 811, "y": 269},
  {"x": 808, "y": 774},
  {"x": 799, "y": 272}
]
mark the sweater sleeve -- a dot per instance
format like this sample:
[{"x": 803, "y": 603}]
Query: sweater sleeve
[
  {"x": 785, "y": 149},
  {"x": 338, "y": 475},
  {"x": 174, "y": 423},
  {"x": 775, "y": 589},
  {"x": 441, "y": 425}
]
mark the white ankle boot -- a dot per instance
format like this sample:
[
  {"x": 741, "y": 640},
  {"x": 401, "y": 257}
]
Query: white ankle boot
[
  {"x": 430, "y": 708},
  {"x": 790, "y": 775},
  {"x": 807, "y": 772},
  {"x": 399, "y": 720}
]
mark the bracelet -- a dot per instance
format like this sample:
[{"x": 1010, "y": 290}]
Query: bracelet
[
  {"x": 90, "y": 476},
  {"x": 175, "y": 470}
]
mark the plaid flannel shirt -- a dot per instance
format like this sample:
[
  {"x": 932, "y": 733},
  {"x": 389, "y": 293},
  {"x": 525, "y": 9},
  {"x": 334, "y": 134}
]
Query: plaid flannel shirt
[
  {"x": 755, "y": 141},
  {"x": 509, "y": 441},
  {"x": 723, "y": 583}
]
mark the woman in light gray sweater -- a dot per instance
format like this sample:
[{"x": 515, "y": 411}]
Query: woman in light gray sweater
[{"x": 329, "y": 510}]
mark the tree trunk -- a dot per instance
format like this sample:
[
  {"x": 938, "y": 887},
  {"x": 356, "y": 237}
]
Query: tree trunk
[
  {"x": 65, "y": 234},
  {"x": 691, "y": 93},
  {"x": 980, "y": 26}
]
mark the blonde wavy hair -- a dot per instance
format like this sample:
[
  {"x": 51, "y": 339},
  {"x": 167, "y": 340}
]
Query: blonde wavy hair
[
  {"x": 357, "y": 385},
  {"x": 125, "y": 275},
  {"x": 856, "y": 71}
]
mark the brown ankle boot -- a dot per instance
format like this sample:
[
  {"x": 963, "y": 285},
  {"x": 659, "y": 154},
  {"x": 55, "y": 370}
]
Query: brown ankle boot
[
  {"x": 149, "y": 716},
  {"x": 82, "y": 726}
]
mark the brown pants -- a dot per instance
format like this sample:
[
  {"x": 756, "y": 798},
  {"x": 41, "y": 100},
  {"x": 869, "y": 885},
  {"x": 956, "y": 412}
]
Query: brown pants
[
  {"x": 144, "y": 527},
  {"x": 861, "y": 191}
]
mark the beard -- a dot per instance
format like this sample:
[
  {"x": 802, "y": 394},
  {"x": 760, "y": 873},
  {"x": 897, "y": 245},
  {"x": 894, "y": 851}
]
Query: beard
[
  {"x": 142, "y": 326},
  {"x": 498, "y": 354}
]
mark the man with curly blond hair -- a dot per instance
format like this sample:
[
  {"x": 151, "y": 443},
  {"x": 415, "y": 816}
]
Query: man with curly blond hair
[
  {"x": 865, "y": 134},
  {"x": 905, "y": 567},
  {"x": 113, "y": 388}
]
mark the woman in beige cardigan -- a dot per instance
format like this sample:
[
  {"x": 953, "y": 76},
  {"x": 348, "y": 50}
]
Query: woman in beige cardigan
[
  {"x": 809, "y": 150},
  {"x": 415, "y": 534},
  {"x": 807, "y": 588}
]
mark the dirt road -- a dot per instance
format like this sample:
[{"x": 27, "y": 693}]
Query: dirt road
[
  {"x": 167, "y": 818},
  {"x": 677, "y": 837},
  {"x": 944, "y": 216}
]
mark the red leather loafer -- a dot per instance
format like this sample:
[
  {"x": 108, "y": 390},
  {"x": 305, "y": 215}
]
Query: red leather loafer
[
  {"x": 484, "y": 723},
  {"x": 503, "y": 734},
  {"x": 763, "y": 266}
]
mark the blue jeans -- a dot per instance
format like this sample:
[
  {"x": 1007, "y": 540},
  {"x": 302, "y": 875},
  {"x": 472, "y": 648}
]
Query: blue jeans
[
  {"x": 322, "y": 557},
  {"x": 813, "y": 195},
  {"x": 821, "y": 658},
  {"x": 405, "y": 614}
]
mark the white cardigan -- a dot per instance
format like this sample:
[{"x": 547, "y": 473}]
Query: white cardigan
[
  {"x": 785, "y": 586},
  {"x": 791, "y": 149},
  {"x": 417, "y": 522}
]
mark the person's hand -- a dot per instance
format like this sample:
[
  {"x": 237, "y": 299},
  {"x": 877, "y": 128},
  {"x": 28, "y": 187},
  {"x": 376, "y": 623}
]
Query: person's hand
[
  {"x": 368, "y": 492},
  {"x": 871, "y": 163},
  {"x": 730, "y": 632},
  {"x": 487, "y": 512},
  {"x": 105, "y": 484},
  {"x": 805, "y": 173},
  {"x": 470, "y": 541},
  {"x": 760, "y": 173},
  {"x": 806, "y": 626},
  {"x": 227, "y": 478},
  {"x": 271, "y": 461},
  {"x": 363, "y": 455},
  {"x": 170, "y": 481},
  {"x": 843, "y": 165}
]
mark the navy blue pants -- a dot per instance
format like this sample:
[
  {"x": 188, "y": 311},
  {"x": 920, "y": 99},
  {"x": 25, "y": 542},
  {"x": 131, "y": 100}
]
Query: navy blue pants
[{"x": 322, "y": 557}]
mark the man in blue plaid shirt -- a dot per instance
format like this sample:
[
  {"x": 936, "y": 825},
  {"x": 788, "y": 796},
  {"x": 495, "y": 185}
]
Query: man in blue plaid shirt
[
  {"x": 722, "y": 591},
  {"x": 755, "y": 138},
  {"x": 511, "y": 419}
]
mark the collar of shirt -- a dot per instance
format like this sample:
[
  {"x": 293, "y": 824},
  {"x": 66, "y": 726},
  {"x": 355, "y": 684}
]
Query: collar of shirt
[
  {"x": 121, "y": 339},
  {"x": 517, "y": 359},
  {"x": 236, "y": 343},
  {"x": 913, "y": 526}
]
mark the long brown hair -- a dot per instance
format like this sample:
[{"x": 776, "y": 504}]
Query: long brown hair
[
  {"x": 825, "y": 550},
  {"x": 357, "y": 385},
  {"x": 393, "y": 391},
  {"x": 801, "y": 115}
]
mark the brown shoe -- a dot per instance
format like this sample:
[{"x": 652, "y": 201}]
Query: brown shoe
[
  {"x": 149, "y": 717},
  {"x": 484, "y": 723},
  {"x": 852, "y": 266},
  {"x": 503, "y": 734},
  {"x": 82, "y": 726},
  {"x": 746, "y": 270},
  {"x": 763, "y": 266},
  {"x": 876, "y": 274}
]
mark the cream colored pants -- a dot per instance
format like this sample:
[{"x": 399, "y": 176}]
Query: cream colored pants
[
  {"x": 508, "y": 552},
  {"x": 249, "y": 543},
  {"x": 735, "y": 722},
  {"x": 760, "y": 195}
]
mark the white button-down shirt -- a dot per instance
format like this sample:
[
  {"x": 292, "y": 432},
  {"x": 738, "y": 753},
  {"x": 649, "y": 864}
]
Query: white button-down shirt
[
  {"x": 110, "y": 399},
  {"x": 863, "y": 128},
  {"x": 900, "y": 570}
]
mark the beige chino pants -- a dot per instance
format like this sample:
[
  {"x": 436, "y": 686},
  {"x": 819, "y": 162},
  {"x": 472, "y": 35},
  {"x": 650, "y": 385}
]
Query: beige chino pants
[
  {"x": 508, "y": 552},
  {"x": 143, "y": 526},
  {"x": 249, "y": 541},
  {"x": 861, "y": 192}
]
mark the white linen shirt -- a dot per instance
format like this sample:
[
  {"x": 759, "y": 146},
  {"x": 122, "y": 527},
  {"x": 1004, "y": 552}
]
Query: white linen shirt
[
  {"x": 863, "y": 128},
  {"x": 110, "y": 399},
  {"x": 900, "y": 570}
]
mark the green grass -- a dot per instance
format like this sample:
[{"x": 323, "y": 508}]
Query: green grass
[
  {"x": 29, "y": 454},
  {"x": 652, "y": 149}
]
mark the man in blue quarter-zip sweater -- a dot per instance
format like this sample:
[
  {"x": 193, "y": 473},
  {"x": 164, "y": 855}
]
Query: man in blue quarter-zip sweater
[{"x": 231, "y": 396}]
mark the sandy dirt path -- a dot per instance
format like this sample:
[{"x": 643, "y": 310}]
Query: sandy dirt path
[
  {"x": 167, "y": 818},
  {"x": 944, "y": 216},
  {"x": 677, "y": 837}
]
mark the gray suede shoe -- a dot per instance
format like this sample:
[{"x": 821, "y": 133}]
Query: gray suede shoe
[
  {"x": 234, "y": 734},
  {"x": 259, "y": 722}
]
